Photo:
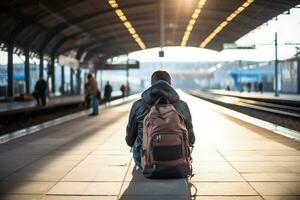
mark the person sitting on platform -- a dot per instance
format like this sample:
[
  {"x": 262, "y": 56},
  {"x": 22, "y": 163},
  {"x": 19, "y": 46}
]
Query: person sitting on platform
[{"x": 160, "y": 88}]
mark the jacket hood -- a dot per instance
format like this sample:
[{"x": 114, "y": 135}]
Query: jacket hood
[{"x": 160, "y": 89}]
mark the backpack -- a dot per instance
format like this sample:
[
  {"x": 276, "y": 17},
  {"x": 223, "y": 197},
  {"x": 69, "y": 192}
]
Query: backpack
[{"x": 165, "y": 146}]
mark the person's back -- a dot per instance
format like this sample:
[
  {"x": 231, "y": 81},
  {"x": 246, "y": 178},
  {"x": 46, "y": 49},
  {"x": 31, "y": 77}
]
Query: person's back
[
  {"x": 122, "y": 88},
  {"x": 160, "y": 88},
  {"x": 41, "y": 86},
  {"x": 92, "y": 88},
  {"x": 260, "y": 87},
  {"x": 107, "y": 90}
]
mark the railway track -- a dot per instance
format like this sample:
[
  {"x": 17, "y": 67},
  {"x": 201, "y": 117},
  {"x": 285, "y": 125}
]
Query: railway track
[{"x": 279, "y": 108}]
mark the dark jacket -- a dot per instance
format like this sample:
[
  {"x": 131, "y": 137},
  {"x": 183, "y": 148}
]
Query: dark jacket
[
  {"x": 41, "y": 87},
  {"x": 140, "y": 108},
  {"x": 107, "y": 90}
]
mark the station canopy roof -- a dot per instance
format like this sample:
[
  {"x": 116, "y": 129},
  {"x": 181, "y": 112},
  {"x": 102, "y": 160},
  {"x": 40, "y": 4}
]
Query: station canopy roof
[{"x": 90, "y": 30}]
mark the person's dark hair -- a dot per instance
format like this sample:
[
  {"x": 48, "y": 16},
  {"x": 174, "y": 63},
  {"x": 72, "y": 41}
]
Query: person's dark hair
[
  {"x": 89, "y": 76},
  {"x": 160, "y": 75}
]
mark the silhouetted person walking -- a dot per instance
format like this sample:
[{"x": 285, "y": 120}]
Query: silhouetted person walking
[
  {"x": 107, "y": 92},
  {"x": 40, "y": 91}
]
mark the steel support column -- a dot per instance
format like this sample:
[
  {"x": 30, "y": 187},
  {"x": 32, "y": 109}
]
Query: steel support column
[
  {"x": 101, "y": 79},
  {"x": 62, "y": 87},
  {"x": 276, "y": 67},
  {"x": 10, "y": 71},
  {"x": 298, "y": 74},
  {"x": 27, "y": 71},
  {"x": 52, "y": 73},
  {"x": 71, "y": 80},
  {"x": 78, "y": 81},
  {"x": 127, "y": 75},
  {"x": 41, "y": 70}
]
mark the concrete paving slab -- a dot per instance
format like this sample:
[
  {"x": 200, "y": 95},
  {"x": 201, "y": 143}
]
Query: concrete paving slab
[
  {"x": 57, "y": 197},
  {"x": 105, "y": 160},
  {"x": 62, "y": 157},
  {"x": 25, "y": 187},
  {"x": 229, "y": 198},
  {"x": 111, "y": 173},
  {"x": 257, "y": 152},
  {"x": 277, "y": 188},
  {"x": 87, "y": 173},
  {"x": 223, "y": 189},
  {"x": 292, "y": 166},
  {"x": 281, "y": 197},
  {"x": 294, "y": 187},
  {"x": 103, "y": 188},
  {"x": 35, "y": 175},
  {"x": 20, "y": 196},
  {"x": 260, "y": 167},
  {"x": 154, "y": 197},
  {"x": 159, "y": 187},
  {"x": 213, "y": 167},
  {"x": 69, "y": 188},
  {"x": 218, "y": 177},
  {"x": 262, "y": 158},
  {"x": 271, "y": 177}
]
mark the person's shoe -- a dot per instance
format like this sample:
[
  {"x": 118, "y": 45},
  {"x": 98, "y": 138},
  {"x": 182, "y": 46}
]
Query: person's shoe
[{"x": 93, "y": 114}]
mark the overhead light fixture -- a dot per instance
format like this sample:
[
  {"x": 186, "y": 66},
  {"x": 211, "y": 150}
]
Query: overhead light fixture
[
  {"x": 126, "y": 22},
  {"x": 192, "y": 22},
  {"x": 225, "y": 23},
  {"x": 113, "y": 4}
]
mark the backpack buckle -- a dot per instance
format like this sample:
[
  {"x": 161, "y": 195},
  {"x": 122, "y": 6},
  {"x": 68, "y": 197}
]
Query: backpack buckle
[{"x": 158, "y": 138}]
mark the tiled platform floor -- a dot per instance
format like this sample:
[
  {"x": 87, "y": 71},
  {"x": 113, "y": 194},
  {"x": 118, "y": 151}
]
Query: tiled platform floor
[{"x": 87, "y": 159}]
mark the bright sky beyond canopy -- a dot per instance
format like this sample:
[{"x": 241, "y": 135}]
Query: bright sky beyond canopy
[{"x": 287, "y": 27}]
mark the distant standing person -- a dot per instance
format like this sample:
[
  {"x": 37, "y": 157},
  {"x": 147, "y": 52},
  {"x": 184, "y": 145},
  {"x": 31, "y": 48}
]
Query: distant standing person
[
  {"x": 123, "y": 90},
  {"x": 107, "y": 93},
  {"x": 127, "y": 89},
  {"x": 260, "y": 87},
  {"x": 92, "y": 89},
  {"x": 40, "y": 91},
  {"x": 256, "y": 87},
  {"x": 228, "y": 88},
  {"x": 249, "y": 86}
]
